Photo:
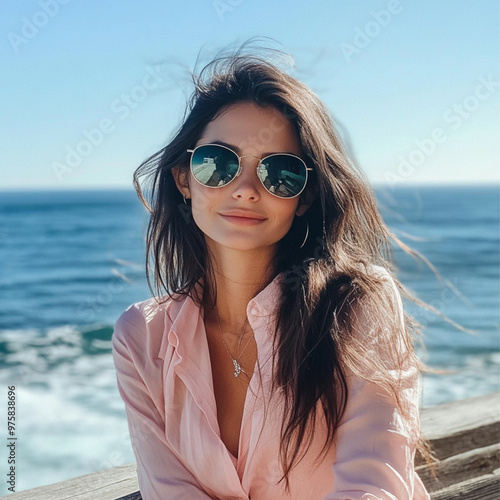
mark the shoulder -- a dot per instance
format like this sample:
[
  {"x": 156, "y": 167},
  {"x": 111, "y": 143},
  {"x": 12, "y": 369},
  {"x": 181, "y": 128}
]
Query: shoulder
[
  {"x": 383, "y": 285},
  {"x": 141, "y": 326},
  {"x": 379, "y": 347},
  {"x": 139, "y": 313},
  {"x": 380, "y": 272}
]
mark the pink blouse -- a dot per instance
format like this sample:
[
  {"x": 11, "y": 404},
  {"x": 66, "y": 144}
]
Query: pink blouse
[{"x": 164, "y": 377}]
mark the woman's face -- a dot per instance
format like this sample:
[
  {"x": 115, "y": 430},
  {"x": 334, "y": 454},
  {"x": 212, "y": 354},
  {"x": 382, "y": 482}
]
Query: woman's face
[{"x": 248, "y": 130}]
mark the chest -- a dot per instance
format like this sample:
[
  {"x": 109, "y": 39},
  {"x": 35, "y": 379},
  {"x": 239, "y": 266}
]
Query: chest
[{"x": 230, "y": 391}]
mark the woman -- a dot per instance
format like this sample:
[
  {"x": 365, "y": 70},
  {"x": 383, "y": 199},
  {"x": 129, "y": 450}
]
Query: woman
[{"x": 279, "y": 363}]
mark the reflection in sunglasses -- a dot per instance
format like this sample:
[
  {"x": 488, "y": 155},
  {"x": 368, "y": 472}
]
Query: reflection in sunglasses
[
  {"x": 214, "y": 172},
  {"x": 283, "y": 175}
]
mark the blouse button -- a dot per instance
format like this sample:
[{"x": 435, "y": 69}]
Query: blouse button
[{"x": 254, "y": 311}]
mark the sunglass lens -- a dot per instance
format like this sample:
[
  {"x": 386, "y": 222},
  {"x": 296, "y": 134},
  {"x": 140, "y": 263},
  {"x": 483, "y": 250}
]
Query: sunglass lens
[
  {"x": 283, "y": 175},
  {"x": 214, "y": 166}
]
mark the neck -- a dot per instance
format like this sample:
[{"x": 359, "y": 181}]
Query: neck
[{"x": 240, "y": 276}]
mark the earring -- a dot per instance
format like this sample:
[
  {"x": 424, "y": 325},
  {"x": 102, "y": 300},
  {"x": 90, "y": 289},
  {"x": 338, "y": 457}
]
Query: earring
[
  {"x": 184, "y": 196},
  {"x": 307, "y": 232}
]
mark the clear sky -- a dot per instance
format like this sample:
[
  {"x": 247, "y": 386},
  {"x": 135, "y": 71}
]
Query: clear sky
[{"x": 91, "y": 88}]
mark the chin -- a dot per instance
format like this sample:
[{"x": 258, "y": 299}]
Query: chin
[{"x": 240, "y": 243}]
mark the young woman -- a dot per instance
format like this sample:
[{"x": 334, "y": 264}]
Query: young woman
[{"x": 279, "y": 363}]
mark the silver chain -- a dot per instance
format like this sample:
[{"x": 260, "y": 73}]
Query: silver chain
[{"x": 237, "y": 367}]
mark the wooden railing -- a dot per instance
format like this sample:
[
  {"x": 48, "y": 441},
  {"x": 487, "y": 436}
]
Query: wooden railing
[{"x": 465, "y": 436}]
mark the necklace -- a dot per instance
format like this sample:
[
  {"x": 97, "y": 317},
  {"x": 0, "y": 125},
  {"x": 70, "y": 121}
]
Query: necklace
[{"x": 237, "y": 367}]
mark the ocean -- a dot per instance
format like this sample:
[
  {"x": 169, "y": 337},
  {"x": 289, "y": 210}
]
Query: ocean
[{"x": 72, "y": 262}]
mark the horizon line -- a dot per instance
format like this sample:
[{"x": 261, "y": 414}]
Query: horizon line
[{"x": 374, "y": 185}]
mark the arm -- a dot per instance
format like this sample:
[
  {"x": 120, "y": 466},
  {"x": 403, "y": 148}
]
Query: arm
[
  {"x": 375, "y": 451},
  {"x": 375, "y": 444},
  {"x": 160, "y": 473}
]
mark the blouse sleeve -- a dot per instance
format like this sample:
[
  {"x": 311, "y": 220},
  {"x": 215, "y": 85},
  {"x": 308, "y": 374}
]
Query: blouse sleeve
[
  {"x": 161, "y": 474},
  {"x": 375, "y": 444}
]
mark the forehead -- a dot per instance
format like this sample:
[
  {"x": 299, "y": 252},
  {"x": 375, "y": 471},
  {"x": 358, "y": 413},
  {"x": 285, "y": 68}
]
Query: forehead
[{"x": 252, "y": 129}]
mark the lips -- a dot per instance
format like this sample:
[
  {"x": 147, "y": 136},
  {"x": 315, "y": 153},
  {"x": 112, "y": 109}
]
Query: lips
[{"x": 243, "y": 214}]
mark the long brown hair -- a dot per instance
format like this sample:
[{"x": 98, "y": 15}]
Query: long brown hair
[{"x": 335, "y": 316}]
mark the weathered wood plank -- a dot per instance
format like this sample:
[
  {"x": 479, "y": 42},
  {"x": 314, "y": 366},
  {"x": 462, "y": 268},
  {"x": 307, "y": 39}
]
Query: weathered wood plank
[
  {"x": 462, "y": 467},
  {"x": 132, "y": 496},
  {"x": 107, "y": 484},
  {"x": 465, "y": 436},
  {"x": 480, "y": 488},
  {"x": 461, "y": 426}
]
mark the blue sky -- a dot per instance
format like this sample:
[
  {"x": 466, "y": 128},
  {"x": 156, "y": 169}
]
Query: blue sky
[{"x": 412, "y": 84}]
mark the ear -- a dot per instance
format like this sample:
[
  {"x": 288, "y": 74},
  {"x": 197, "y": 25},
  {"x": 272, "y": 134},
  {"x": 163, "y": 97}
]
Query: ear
[
  {"x": 181, "y": 181},
  {"x": 305, "y": 202}
]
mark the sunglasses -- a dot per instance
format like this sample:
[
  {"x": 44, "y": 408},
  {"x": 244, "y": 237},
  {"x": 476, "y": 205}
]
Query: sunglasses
[{"x": 282, "y": 174}]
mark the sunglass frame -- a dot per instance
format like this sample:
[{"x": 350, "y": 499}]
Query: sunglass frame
[{"x": 240, "y": 168}]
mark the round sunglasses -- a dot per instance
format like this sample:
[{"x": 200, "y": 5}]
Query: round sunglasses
[{"x": 282, "y": 174}]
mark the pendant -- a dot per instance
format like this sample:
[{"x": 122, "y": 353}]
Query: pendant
[{"x": 237, "y": 368}]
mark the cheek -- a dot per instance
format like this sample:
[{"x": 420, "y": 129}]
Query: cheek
[
  {"x": 204, "y": 203},
  {"x": 202, "y": 198},
  {"x": 287, "y": 210},
  {"x": 287, "y": 222},
  {"x": 283, "y": 215}
]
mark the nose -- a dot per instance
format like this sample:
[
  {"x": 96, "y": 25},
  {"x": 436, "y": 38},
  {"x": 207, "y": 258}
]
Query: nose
[{"x": 247, "y": 184}]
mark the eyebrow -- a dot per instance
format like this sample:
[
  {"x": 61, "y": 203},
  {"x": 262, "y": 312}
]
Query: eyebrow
[{"x": 237, "y": 150}]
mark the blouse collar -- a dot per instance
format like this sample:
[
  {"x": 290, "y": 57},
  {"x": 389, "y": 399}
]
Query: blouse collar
[{"x": 187, "y": 315}]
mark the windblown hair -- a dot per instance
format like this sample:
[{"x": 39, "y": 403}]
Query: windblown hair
[{"x": 336, "y": 316}]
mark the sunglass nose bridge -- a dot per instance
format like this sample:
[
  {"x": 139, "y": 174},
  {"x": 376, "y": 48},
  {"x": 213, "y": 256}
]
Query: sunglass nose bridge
[{"x": 245, "y": 156}]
